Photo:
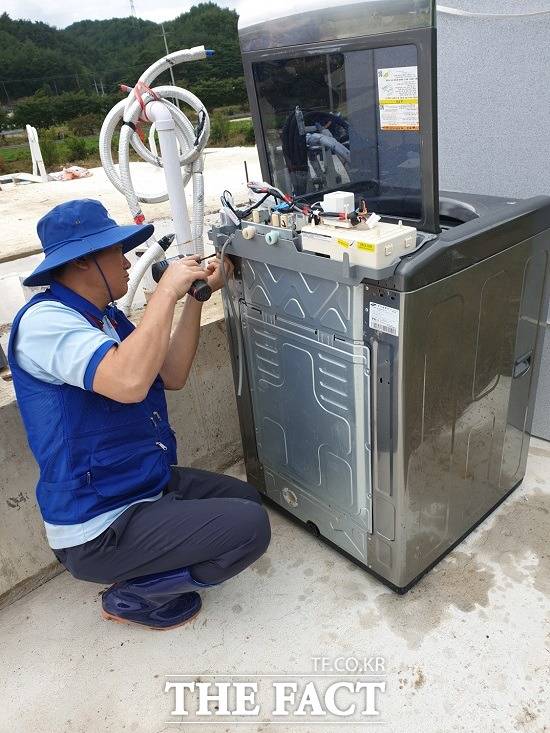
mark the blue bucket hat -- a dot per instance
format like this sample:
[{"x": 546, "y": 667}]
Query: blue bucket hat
[{"x": 79, "y": 228}]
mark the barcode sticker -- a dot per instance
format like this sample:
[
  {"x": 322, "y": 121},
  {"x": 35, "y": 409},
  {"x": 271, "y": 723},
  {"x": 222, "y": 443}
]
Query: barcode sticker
[{"x": 385, "y": 319}]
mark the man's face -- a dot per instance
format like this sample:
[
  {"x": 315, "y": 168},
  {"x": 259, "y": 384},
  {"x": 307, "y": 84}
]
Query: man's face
[{"x": 114, "y": 266}]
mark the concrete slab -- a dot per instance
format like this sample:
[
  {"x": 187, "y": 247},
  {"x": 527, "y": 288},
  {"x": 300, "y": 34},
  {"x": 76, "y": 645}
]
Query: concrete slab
[
  {"x": 467, "y": 649},
  {"x": 22, "y": 205}
]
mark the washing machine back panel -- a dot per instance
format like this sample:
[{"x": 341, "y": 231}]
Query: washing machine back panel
[
  {"x": 315, "y": 302},
  {"x": 311, "y": 404}
]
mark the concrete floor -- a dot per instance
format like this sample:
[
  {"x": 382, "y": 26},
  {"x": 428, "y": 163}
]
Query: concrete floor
[{"x": 468, "y": 649}]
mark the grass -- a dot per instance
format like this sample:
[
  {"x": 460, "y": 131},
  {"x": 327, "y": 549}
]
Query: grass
[
  {"x": 231, "y": 111},
  {"x": 228, "y": 133},
  {"x": 21, "y": 152},
  {"x": 17, "y": 158}
]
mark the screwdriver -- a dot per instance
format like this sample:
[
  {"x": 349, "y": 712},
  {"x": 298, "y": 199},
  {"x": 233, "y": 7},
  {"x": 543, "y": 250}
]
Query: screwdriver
[{"x": 200, "y": 289}]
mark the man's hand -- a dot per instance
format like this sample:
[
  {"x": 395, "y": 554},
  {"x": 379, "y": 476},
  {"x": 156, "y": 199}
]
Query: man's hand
[
  {"x": 180, "y": 275},
  {"x": 214, "y": 272}
]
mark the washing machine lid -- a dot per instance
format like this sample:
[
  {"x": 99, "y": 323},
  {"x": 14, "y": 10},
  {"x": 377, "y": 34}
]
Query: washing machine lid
[
  {"x": 343, "y": 97},
  {"x": 497, "y": 225},
  {"x": 289, "y": 23}
]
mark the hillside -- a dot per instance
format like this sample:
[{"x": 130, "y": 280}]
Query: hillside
[{"x": 92, "y": 55}]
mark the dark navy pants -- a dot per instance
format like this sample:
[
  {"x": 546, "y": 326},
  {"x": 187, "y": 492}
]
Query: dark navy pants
[{"x": 212, "y": 523}]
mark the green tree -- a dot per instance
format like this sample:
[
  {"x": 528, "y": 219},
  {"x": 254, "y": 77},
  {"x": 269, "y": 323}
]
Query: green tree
[
  {"x": 92, "y": 55},
  {"x": 75, "y": 149},
  {"x": 219, "y": 129},
  {"x": 4, "y": 120},
  {"x": 49, "y": 148},
  {"x": 88, "y": 124},
  {"x": 42, "y": 110}
]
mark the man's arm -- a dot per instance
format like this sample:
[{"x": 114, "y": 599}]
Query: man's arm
[
  {"x": 183, "y": 346},
  {"x": 185, "y": 339},
  {"x": 127, "y": 371}
]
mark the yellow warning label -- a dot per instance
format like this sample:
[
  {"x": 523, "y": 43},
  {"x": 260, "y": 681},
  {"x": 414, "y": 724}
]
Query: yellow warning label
[
  {"x": 344, "y": 243},
  {"x": 400, "y": 100},
  {"x": 366, "y": 246},
  {"x": 414, "y": 128}
]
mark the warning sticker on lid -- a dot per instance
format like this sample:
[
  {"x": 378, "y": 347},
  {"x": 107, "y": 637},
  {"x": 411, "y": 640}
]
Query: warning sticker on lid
[
  {"x": 366, "y": 246},
  {"x": 398, "y": 98},
  {"x": 385, "y": 319}
]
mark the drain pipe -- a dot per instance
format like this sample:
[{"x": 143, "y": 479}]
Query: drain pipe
[{"x": 165, "y": 126}]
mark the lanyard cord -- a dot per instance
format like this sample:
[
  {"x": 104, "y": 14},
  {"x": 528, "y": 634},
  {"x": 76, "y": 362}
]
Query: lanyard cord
[{"x": 111, "y": 299}]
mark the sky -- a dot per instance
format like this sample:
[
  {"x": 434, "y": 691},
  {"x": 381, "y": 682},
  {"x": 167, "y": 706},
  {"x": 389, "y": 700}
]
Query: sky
[{"x": 62, "y": 13}]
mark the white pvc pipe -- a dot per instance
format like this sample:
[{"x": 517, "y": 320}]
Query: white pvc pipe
[
  {"x": 166, "y": 131},
  {"x": 151, "y": 141},
  {"x": 129, "y": 110}
]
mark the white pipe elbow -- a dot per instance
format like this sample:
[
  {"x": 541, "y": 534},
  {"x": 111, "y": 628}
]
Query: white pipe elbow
[{"x": 158, "y": 113}]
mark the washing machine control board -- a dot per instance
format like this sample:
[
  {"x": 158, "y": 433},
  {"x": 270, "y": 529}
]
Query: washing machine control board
[{"x": 376, "y": 246}]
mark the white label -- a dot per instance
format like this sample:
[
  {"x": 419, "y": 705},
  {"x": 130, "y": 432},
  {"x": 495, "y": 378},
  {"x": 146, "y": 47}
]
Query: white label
[
  {"x": 322, "y": 237},
  {"x": 398, "y": 98},
  {"x": 382, "y": 318}
]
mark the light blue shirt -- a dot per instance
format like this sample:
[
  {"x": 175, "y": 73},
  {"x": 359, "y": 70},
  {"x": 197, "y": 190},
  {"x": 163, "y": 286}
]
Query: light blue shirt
[{"x": 56, "y": 344}]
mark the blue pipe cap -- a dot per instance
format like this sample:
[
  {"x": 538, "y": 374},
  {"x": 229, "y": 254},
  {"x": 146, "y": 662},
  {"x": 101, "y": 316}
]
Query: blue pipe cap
[{"x": 209, "y": 52}]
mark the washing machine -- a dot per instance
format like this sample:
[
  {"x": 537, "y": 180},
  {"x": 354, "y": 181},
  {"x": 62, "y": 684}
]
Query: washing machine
[{"x": 385, "y": 402}]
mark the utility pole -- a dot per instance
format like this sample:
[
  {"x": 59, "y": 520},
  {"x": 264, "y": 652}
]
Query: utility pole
[
  {"x": 133, "y": 11},
  {"x": 167, "y": 53},
  {"x": 6, "y": 93}
]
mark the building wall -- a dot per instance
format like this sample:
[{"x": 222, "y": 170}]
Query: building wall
[
  {"x": 494, "y": 115},
  {"x": 494, "y": 99}
]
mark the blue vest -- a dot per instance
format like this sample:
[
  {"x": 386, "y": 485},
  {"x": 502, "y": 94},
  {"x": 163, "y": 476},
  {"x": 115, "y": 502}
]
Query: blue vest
[{"x": 94, "y": 454}]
